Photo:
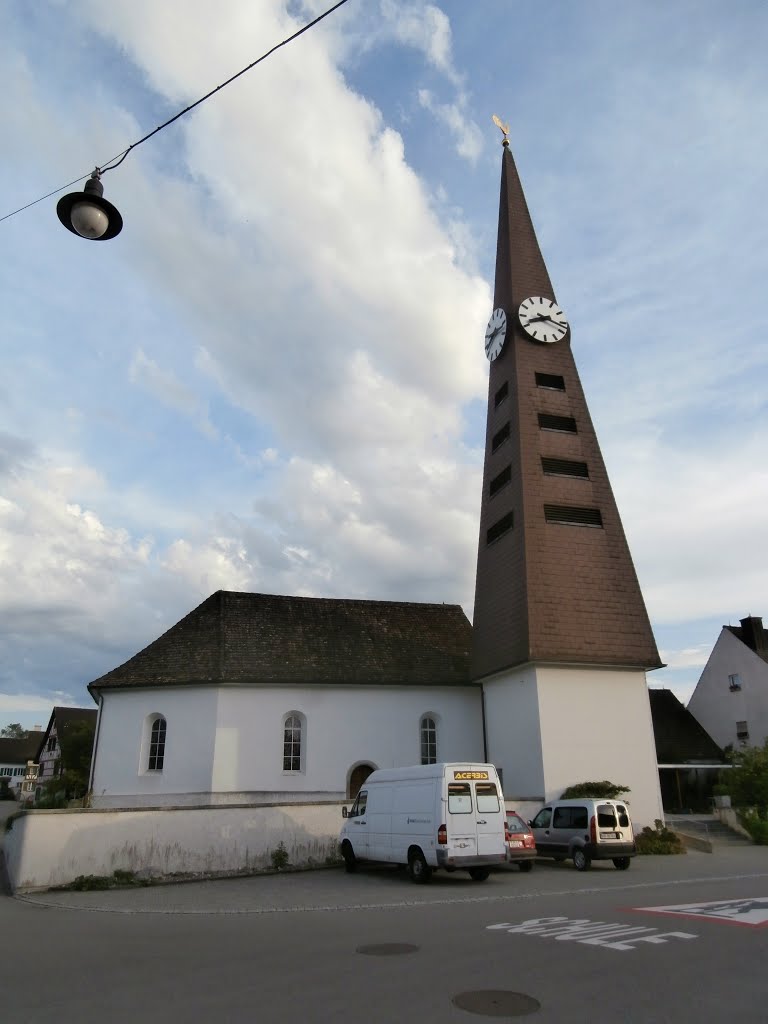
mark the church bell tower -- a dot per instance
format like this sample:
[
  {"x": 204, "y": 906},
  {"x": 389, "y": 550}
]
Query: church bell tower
[{"x": 561, "y": 636}]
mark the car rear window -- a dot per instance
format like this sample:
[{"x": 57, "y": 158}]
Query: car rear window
[
  {"x": 516, "y": 824},
  {"x": 606, "y": 816}
]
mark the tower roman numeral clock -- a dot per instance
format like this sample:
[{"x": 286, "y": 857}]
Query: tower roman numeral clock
[{"x": 561, "y": 637}]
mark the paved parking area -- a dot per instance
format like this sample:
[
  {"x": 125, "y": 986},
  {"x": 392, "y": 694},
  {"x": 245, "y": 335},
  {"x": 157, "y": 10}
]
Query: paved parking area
[{"x": 333, "y": 889}]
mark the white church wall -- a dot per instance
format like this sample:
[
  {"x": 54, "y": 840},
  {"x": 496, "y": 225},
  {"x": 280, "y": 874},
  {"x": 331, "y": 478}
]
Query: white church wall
[
  {"x": 237, "y": 753},
  {"x": 47, "y": 848},
  {"x": 514, "y": 742},
  {"x": 120, "y": 763},
  {"x": 596, "y": 724},
  {"x": 718, "y": 708}
]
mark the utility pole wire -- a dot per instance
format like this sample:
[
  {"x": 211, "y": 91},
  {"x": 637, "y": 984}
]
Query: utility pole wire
[{"x": 121, "y": 156}]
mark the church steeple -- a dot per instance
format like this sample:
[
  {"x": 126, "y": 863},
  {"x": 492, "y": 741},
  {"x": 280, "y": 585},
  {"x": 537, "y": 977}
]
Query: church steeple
[{"x": 555, "y": 579}]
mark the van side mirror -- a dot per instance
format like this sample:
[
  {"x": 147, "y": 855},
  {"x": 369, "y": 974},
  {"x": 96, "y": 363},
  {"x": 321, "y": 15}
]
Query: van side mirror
[{"x": 344, "y": 813}]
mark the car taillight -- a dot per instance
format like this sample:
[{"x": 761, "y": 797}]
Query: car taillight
[
  {"x": 528, "y": 840},
  {"x": 442, "y": 836},
  {"x": 593, "y": 829}
]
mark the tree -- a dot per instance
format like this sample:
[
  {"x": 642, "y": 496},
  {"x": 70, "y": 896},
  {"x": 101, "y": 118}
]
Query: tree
[
  {"x": 14, "y": 731},
  {"x": 604, "y": 790},
  {"x": 747, "y": 780},
  {"x": 77, "y": 746},
  {"x": 747, "y": 783}
]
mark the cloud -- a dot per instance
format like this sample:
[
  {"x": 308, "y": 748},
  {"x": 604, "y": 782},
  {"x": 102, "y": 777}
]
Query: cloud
[
  {"x": 167, "y": 388},
  {"x": 466, "y": 134}
]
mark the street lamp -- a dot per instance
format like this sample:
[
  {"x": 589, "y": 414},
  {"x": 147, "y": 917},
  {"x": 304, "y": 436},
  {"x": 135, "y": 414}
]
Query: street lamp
[{"x": 88, "y": 213}]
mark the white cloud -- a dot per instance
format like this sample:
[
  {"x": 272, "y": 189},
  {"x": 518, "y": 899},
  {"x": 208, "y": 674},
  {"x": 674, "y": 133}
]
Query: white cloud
[
  {"x": 167, "y": 388},
  {"x": 466, "y": 134}
]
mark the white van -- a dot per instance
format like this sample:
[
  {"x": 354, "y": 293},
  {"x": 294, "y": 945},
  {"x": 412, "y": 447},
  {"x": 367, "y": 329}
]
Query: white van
[{"x": 428, "y": 816}]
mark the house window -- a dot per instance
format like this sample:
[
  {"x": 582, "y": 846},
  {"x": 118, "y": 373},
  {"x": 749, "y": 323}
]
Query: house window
[
  {"x": 734, "y": 682},
  {"x": 51, "y": 743},
  {"x": 742, "y": 732},
  {"x": 156, "y": 745},
  {"x": 428, "y": 740},
  {"x": 292, "y": 730}
]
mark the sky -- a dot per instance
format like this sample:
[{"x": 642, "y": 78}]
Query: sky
[{"x": 274, "y": 378}]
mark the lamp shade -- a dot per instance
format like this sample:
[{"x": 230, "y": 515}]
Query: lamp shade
[{"x": 88, "y": 214}]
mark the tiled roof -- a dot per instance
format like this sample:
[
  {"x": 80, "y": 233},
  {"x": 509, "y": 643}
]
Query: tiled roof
[
  {"x": 679, "y": 736},
  {"x": 269, "y": 639},
  {"x": 20, "y": 751}
]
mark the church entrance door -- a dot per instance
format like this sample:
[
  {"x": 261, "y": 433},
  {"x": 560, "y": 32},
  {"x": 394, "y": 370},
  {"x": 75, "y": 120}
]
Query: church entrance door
[{"x": 357, "y": 778}]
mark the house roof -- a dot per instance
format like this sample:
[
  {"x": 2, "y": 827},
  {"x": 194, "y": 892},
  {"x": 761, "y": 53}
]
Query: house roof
[
  {"x": 679, "y": 736},
  {"x": 20, "y": 751},
  {"x": 65, "y": 718},
  {"x": 752, "y": 633},
  {"x": 236, "y": 638}
]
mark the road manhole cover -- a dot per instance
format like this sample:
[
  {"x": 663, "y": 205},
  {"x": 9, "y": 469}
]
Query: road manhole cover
[
  {"x": 496, "y": 1003},
  {"x": 387, "y": 949}
]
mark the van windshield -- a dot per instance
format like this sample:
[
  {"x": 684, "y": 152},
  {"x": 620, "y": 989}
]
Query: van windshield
[
  {"x": 487, "y": 797},
  {"x": 459, "y": 798}
]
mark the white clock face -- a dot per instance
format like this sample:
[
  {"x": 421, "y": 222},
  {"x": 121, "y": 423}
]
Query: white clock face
[
  {"x": 542, "y": 319},
  {"x": 495, "y": 333}
]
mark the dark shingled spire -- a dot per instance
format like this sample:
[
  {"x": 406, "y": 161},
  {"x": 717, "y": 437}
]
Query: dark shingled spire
[{"x": 547, "y": 592}]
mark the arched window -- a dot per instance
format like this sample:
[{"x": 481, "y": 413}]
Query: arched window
[
  {"x": 293, "y": 729},
  {"x": 428, "y": 740},
  {"x": 156, "y": 745}
]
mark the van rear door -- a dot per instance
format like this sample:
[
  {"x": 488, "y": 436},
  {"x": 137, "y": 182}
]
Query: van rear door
[
  {"x": 460, "y": 820},
  {"x": 613, "y": 824},
  {"x": 490, "y": 819}
]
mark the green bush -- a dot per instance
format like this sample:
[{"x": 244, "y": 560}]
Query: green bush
[
  {"x": 658, "y": 840},
  {"x": 279, "y": 857},
  {"x": 756, "y": 826},
  {"x": 604, "y": 790}
]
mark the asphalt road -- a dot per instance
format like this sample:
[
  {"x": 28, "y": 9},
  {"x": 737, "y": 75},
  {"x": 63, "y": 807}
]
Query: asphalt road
[{"x": 555, "y": 944}]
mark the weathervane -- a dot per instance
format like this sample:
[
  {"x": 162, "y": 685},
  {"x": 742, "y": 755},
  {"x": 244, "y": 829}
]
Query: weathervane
[{"x": 504, "y": 128}]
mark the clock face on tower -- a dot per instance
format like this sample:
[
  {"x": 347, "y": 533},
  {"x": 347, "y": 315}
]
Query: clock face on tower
[
  {"x": 495, "y": 333},
  {"x": 542, "y": 319}
]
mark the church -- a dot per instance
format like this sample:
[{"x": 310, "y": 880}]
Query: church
[{"x": 258, "y": 698}]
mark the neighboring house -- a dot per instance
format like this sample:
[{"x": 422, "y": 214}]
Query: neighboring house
[
  {"x": 731, "y": 697},
  {"x": 689, "y": 760},
  {"x": 258, "y": 698},
  {"x": 18, "y": 760},
  {"x": 66, "y": 744}
]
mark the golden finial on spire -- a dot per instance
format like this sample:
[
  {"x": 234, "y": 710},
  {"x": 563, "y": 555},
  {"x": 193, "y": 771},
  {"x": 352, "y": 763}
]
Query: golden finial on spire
[{"x": 504, "y": 128}]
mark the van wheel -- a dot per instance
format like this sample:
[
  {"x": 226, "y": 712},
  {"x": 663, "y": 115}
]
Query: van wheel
[
  {"x": 418, "y": 868},
  {"x": 526, "y": 865},
  {"x": 479, "y": 874},
  {"x": 350, "y": 860},
  {"x": 581, "y": 861},
  {"x": 622, "y": 863}
]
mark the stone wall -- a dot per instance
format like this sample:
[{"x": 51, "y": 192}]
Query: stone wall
[{"x": 49, "y": 848}]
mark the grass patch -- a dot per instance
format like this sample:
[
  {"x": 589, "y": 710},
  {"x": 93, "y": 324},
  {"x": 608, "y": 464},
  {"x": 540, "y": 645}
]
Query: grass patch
[{"x": 90, "y": 883}]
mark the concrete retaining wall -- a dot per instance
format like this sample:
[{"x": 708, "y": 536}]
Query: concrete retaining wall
[{"x": 47, "y": 848}]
